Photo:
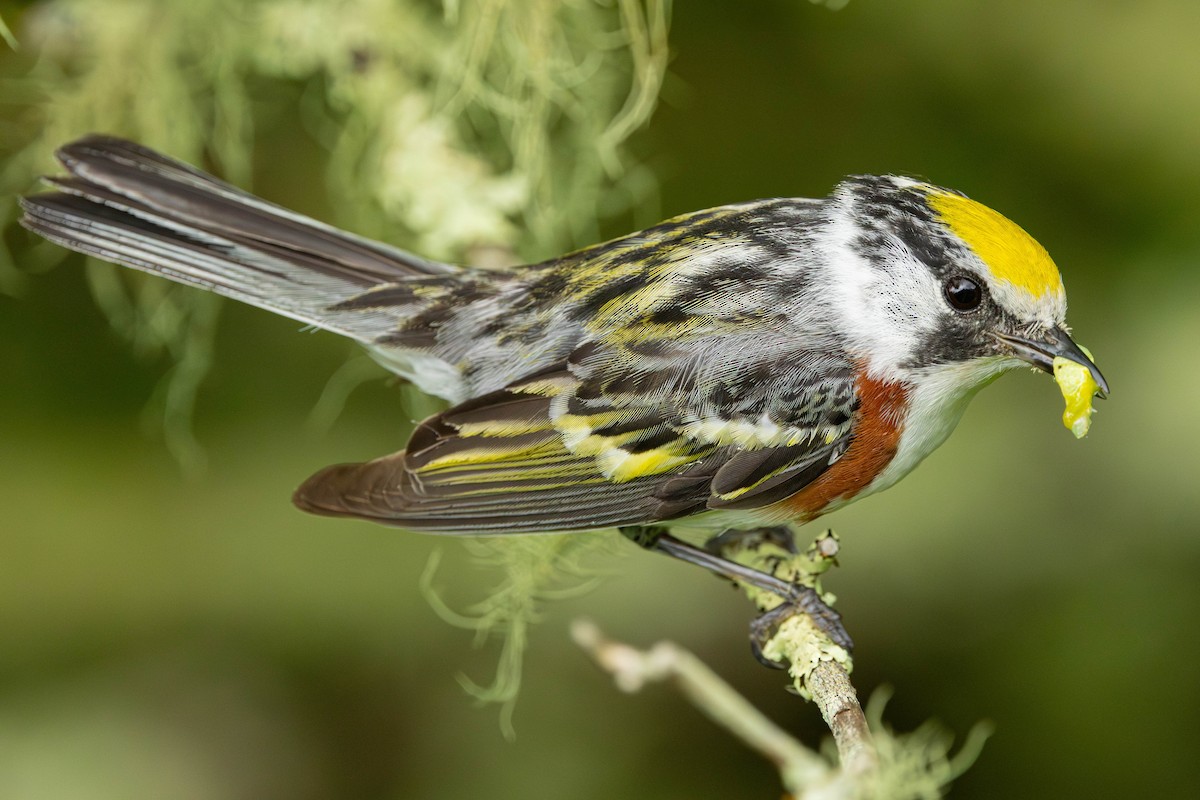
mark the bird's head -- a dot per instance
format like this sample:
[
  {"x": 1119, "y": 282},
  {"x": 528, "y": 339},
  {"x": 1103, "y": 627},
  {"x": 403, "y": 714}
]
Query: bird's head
[{"x": 930, "y": 282}]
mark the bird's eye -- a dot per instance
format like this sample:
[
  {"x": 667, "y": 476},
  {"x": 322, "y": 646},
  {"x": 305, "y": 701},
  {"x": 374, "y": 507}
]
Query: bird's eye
[{"x": 963, "y": 293}]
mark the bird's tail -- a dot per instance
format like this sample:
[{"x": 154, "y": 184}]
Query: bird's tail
[{"x": 125, "y": 203}]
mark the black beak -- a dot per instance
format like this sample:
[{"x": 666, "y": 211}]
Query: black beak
[{"x": 1056, "y": 344}]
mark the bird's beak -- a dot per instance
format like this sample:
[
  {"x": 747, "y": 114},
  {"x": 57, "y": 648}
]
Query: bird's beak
[{"x": 1056, "y": 343}]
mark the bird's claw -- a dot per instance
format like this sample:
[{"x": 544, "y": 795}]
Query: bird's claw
[{"x": 802, "y": 600}]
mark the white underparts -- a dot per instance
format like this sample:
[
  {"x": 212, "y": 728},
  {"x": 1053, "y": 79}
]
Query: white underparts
[{"x": 939, "y": 397}]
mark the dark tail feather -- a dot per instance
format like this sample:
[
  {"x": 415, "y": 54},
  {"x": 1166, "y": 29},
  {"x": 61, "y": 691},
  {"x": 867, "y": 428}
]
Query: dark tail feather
[{"x": 128, "y": 204}]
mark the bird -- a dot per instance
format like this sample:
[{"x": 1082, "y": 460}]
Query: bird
[{"x": 746, "y": 366}]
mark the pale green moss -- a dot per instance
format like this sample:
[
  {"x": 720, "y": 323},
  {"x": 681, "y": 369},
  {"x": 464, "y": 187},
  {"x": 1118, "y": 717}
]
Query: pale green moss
[
  {"x": 532, "y": 570},
  {"x": 495, "y": 124}
]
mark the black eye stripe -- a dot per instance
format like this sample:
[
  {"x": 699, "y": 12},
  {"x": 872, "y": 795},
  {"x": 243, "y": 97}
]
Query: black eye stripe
[{"x": 963, "y": 293}]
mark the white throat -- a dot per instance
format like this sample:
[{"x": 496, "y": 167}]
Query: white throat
[{"x": 936, "y": 403}]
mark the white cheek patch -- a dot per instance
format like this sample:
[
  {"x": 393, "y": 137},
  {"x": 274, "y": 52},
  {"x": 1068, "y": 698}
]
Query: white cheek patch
[{"x": 885, "y": 309}]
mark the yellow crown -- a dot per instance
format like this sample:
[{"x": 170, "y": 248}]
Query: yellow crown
[{"x": 1010, "y": 253}]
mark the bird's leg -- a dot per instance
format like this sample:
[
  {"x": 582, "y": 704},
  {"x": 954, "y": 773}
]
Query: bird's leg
[
  {"x": 781, "y": 536},
  {"x": 763, "y": 627},
  {"x": 795, "y": 596}
]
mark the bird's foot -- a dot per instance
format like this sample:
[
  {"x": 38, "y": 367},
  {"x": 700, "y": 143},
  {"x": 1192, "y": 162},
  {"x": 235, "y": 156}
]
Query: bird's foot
[{"x": 797, "y": 598}]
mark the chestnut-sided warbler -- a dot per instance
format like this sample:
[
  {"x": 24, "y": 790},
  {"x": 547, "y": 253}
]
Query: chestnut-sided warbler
[{"x": 748, "y": 365}]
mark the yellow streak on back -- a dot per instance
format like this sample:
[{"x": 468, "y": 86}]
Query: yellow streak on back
[{"x": 1012, "y": 254}]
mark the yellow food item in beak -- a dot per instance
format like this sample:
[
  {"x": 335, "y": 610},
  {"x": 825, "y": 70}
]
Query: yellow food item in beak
[{"x": 1078, "y": 387}]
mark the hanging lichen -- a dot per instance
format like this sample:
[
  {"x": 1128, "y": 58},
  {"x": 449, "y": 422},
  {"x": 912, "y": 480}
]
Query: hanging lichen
[{"x": 461, "y": 131}]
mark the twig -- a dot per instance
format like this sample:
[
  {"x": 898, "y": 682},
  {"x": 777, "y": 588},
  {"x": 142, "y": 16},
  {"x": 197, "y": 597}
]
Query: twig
[
  {"x": 804, "y": 773},
  {"x": 835, "y": 697},
  {"x": 898, "y": 767},
  {"x": 820, "y": 670}
]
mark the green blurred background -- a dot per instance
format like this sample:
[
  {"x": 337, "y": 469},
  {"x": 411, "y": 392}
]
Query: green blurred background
[{"x": 164, "y": 636}]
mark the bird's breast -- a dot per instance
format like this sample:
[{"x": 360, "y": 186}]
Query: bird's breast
[
  {"x": 878, "y": 430},
  {"x": 917, "y": 417}
]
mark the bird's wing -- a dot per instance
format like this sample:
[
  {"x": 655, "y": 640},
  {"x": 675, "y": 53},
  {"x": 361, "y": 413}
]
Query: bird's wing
[{"x": 622, "y": 434}]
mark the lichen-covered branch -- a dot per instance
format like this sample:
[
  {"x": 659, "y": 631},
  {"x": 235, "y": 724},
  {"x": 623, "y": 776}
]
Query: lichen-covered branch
[
  {"x": 913, "y": 766},
  {"x": 873, "y": 762},
  {"x": 819, "y": 669},
  {"x": 838, "y": 702}
]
